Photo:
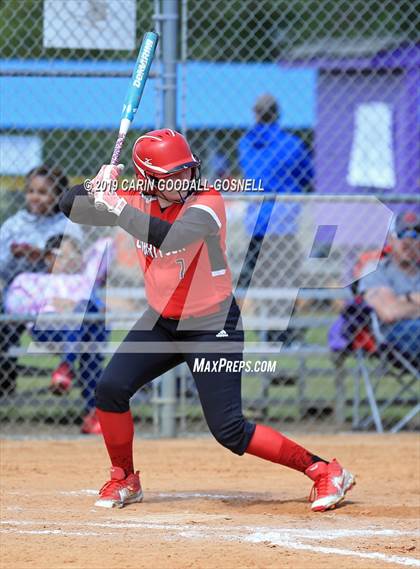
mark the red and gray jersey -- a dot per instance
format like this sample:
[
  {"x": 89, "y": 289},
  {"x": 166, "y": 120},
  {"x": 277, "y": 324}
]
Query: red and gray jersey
[
  {"x": 183, "y": 253},
  {"x": 181, "y": 249}
]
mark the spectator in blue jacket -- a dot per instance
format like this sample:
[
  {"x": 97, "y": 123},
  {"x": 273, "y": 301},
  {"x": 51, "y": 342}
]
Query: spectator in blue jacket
[{"x": 283, "y": 164}]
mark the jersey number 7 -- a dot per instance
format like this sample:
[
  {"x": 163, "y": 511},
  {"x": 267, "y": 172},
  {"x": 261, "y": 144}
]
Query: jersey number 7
[{"x": 181, "y": 263}]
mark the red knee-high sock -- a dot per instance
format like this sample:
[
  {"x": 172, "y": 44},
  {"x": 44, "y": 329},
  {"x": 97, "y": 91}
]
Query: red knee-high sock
[
  {"x": 118, "y": 433},
  {"x": 271, "y": 445}
]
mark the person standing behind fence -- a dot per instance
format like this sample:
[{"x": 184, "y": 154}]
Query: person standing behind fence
[
  {"x": 283, "y": 164},
  {"x": 23, "y": 237}
]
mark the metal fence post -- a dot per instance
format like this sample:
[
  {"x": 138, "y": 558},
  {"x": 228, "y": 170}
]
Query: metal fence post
[{"x": 169, "y": 59}]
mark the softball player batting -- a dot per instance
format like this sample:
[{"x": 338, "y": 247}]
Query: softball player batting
[{"x": 180, "y": 238}]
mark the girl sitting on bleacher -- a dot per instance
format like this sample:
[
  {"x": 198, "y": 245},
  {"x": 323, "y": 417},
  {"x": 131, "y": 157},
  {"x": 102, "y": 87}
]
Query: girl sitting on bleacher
[{"x": 69, "y": 286}]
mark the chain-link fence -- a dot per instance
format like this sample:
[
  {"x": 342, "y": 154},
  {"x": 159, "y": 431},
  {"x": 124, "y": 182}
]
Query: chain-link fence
[{"x": 300, "y": 112}]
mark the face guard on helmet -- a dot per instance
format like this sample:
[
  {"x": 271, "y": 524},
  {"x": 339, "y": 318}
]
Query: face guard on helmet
[{"x": 161, "y": 153}]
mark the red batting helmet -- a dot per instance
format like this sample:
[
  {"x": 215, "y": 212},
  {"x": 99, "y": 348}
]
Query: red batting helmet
[{"x": 161, "y": 153}]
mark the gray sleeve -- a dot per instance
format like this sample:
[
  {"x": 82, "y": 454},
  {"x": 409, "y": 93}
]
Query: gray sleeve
[
  {"x": 375, "y": 279},
  {"x": 195, "y": 225},
  {"x": 78, "y": 206}
]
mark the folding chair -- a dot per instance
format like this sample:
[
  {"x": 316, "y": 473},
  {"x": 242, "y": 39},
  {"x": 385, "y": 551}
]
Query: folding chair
[
  {"x": 370, "y": 342},
  {"x": 357, "y": 332}
]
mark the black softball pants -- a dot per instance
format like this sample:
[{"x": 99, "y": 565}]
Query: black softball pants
[{"x": 214, "y": 361}]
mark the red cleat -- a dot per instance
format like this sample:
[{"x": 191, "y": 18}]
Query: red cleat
[
  {"x": 91, "y": 425},
  {"x": 120, "y": 490},
  {"x": 62, "y": 379},
  {"x": 331, "y": 483}
]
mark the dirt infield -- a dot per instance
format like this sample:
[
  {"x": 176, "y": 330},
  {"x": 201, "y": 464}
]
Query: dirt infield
[{"x": 206, "y": 508}]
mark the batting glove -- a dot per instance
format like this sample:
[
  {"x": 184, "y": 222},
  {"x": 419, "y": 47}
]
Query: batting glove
[
  {"x": 111, "y": 202},
  {"x": 105, "y": 179},
  {"x": 104, "y": 187}
]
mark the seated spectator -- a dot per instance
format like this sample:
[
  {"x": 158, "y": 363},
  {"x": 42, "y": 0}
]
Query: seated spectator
[
  {"x": 23, "y": 237},
  {"x": 393, "y": 290},
  {"x": 68, "y": 287}
]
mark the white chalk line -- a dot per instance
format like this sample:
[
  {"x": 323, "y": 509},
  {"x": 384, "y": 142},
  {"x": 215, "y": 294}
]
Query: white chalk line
[
  {"x": 52, "y": 532},
  {"x": 287, "y": 538},
  {"x": 287, "y": 543},
  {"x": 176, "y": 495}
]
